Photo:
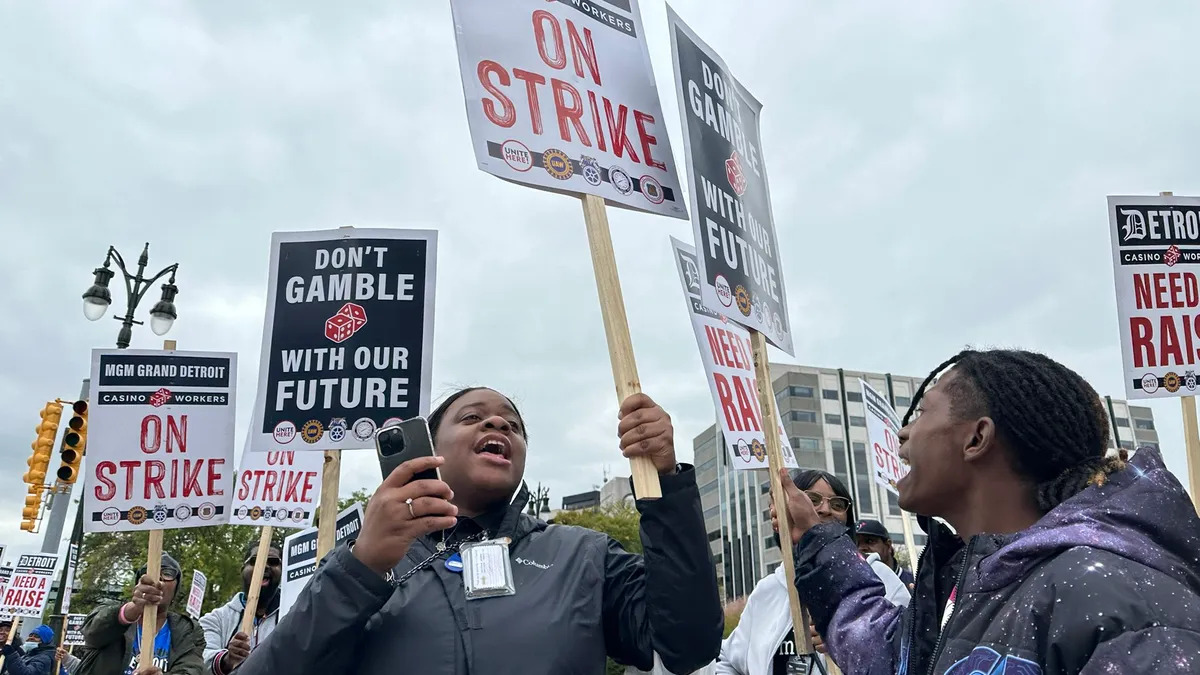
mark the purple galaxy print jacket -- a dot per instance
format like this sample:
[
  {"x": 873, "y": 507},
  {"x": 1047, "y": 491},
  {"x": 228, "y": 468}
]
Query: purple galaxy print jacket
[{"x": 1107, "y": 583}]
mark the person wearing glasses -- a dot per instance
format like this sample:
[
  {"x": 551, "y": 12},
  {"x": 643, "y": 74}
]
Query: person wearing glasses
[
  {"x": 113, "y": 633},
  {"x": 227, "y": 645},
  {"x": 764, "y": 642}
]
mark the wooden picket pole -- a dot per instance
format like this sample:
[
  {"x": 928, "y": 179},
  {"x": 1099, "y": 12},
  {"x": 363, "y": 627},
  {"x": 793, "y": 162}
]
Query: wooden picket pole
[
  {"x": 1191, "y": 432},
  {"x": 770, "y": 422},
  {"x": 260, "y": 566},
  {"x": 153, "y": 570},
  {"x": 331, "y": 475},
  {"x": 909, "y": 541},
  {"x": 616, "y": 330},
  {"x": 12, "y": 637}
]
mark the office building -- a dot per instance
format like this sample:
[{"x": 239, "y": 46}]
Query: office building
[{"x": 823, "y": 415}]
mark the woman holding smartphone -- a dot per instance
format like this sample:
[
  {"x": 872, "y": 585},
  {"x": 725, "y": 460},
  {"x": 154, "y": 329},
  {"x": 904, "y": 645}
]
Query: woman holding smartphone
[{"x": 452, "y": 576}]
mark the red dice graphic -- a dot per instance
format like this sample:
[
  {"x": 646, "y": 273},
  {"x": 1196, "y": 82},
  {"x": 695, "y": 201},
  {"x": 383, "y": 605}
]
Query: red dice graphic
[
  {"x": 356, "y": 313},
  {"x": 339, "y": 327},
  {"x": 1172, "y": 255},
  {"x": 733, "y": 171},
  {"x": 160, "y": 397}
]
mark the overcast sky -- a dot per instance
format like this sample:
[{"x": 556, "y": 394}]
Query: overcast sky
[{"x": 938, "y": 170}]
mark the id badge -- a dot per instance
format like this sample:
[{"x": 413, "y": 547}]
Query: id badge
[{"x": 487, "y": 570}]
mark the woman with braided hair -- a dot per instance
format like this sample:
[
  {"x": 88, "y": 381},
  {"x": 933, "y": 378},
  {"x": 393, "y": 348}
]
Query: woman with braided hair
[{"x": 1064, "y": 558}]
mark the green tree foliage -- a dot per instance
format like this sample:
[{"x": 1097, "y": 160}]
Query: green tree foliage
[{"x": 619, "y": 521}]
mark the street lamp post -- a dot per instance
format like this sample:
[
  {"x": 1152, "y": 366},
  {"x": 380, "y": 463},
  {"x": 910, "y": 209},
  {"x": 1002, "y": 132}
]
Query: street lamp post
[
  {"x": 539, "y": 502},
  {"x": 96, "y": 300}
]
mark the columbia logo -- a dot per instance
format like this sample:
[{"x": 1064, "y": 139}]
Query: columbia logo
[{"x": 533, "y": 563}]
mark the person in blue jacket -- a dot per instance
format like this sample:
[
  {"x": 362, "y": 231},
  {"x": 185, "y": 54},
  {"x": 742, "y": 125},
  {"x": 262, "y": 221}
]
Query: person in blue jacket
[
  {"x": 1064, "y": 559},
  {"x": 34, "y": 657},
  {"x": 395, "y": 600}
]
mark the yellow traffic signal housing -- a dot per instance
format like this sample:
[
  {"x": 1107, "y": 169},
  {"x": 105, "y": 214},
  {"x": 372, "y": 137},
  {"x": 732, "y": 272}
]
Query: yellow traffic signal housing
[
  {"x": 74, "y": 443},
  {"x": 43, "y": 445},
  {"x": 33, "y": 507}
]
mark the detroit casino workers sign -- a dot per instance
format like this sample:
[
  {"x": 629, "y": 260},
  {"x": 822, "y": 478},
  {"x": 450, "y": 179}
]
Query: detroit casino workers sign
[
  {"x": 348, "y": 337},
  {"x": 1156, "y": 256}
]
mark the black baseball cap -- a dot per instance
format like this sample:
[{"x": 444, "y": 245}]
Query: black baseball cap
[{"x": 872, "y": 528}]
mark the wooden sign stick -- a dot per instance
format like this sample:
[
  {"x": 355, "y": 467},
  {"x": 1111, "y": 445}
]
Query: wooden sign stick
[
  {"x": 331, "y": 475},
  {"x": 906, "y": 519},
  {"x": 153, "y": 570},
  {"x": 260, "y": 566},
  {"x": 616, "y": 330},
  {"x": 770, "y": 425},
  {"x": 12, "y": 637}
]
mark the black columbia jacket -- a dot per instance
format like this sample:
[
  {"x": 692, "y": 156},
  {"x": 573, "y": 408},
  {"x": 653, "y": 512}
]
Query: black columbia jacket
[
  {"x": 579, "y": 596},
  {"x": 1106, "y": 583}
]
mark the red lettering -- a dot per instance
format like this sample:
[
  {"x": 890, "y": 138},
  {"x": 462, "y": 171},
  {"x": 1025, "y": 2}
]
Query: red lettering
[
  {"x": 1141, "y": 290},
  {"x": 1170, "y": 342},
  {"x": 531, "y": 80},
  {"x": 155, "y": 472},
  {"x": 879, "y": 456},
  {"x": 258, "y": 478},
  {"x": 107, "y": 489},
  {"x": 243, "y": 492},
  {"x": 1173, "y": 279},
  {"x": 191, "y": 477},
  {"x": 176, "y": 433},
  {"x": 600, "y": 142},
  {"x": 725, "y": 395},
  {"x": 508, "y": 116},
  {"x": 616, "y": 129},
  {"x": 540, "y": 19},
  {"x": 129, "y": 467},
  {"x": 727, "y": 352},
  {"x": 568, "y": 112},
  {"x": 308, "y": 486},
  {"x": 272, "y": 479},
  {"x": 714, "y": 344},
  {"x": 291, "y": 486},
  {"x": 215, "y": 476},
  {"x": 148, "y": 422},
  {"x": 1160, "y": 289},
  {"x": 1141, "y": 335},
  {"x": 745, "y": 407},
  {"x": 583, "y": 51},
  {"x": 648, "y": 140},
  {"x": 1189, "y": 349}
]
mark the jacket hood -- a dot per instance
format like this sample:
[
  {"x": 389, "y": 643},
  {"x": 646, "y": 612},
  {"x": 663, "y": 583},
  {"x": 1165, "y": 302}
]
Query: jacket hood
[{"x": 1142, "y": 514}]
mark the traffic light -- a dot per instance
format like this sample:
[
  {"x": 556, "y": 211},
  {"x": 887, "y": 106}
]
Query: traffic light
[
  {"x": 74, "y": 443},
  {"x": 33, "y": 506},
  {"x": 43, "y": 445}
]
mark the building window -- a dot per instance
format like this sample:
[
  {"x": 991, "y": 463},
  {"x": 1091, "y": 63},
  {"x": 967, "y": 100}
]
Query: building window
[
  {"x": 856, "y": 421},
  {"x": 903, "y": 401},
  {"x": 854, "y": 396},
  {"x": 772, "y": 567},
  {"x": 802, "y": 416},
  {"x": 829, "y": 394},
  {"x": 1140, "y": 423},
  {"x": 708, "y": 464},
  {"x": 768, "y": 543},
  {"x": 714, "y": 535},
  {"x": 766, "y": 487},
  {"x": 708, "y": 487},
  {"x": 801, "y": 391},
  {"x": 866, "y": 502},
  {"x": 1150, "y": 445},
  {"x": 1122, "y": 421},
  {"x": 893, "y": 504},
  {"x": 711, "y": 512},
  {"x": 835, "y": 420},
  {"x": 1128, "y": 445},
  {"x": 858, "y": 447},
  {"x": 838, "y": 447},
  {"x": 807, "y": 444}
]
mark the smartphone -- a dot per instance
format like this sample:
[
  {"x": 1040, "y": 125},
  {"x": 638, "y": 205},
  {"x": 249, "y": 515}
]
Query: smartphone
[{"x": 398, "y": 443}]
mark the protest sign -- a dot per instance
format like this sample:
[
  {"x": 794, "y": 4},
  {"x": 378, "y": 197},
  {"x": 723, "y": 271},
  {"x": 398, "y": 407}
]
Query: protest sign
[
  {"x": 73, "y": 630},
  {"x": 160, "y": 441},
  {"x": 883, "y": 435},
  {"x": 347, "y": 339},
  {"x": 300, "y": 554},
  {"x": 6, "y": 574},
  {"x": 561, "y": 97},
  {"x": 736, "y": 246},
  {"x": 725, "y": 351},
  {"x": 1156, "y": 255},
  {"x": 29, "y": 587},
  {"x": 195, "y": 601},
  {"x": 72, "y": 559},
  {"x": 281, "y": 489}
]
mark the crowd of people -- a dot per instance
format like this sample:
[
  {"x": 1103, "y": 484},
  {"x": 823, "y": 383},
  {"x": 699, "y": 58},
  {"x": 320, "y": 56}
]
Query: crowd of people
[{"x": 1048, "y": 553}]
